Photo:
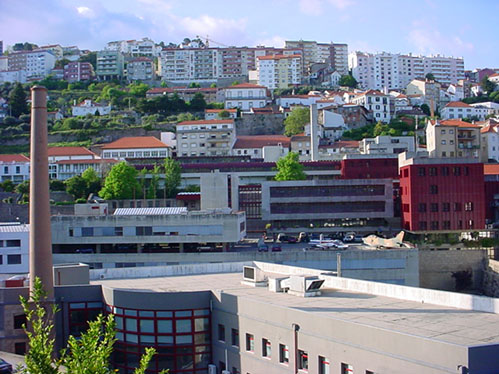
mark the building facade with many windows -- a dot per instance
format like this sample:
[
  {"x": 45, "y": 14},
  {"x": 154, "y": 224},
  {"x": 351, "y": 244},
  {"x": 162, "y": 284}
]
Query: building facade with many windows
[{"x": 205, "y": 137}]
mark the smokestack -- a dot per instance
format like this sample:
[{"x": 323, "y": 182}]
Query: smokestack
[
  {"x": 40, "y": 240},
  {"x": 314, "y": 128}
]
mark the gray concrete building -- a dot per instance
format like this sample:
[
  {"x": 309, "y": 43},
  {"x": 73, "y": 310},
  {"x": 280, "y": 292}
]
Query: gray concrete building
[{"x": 252, "y": 317}]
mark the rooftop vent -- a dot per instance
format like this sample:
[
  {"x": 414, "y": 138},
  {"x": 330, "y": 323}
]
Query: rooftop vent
[
  {"x": 304, "y": 286},
  {"x": 252, "y": 276}
]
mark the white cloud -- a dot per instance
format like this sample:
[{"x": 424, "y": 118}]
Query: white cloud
[
  {"x": 274, "y": 41},
  {"x": 341, "y": 4},
  {"x": 226, "y": 31},
  {"x": 428, "y": 39},
  {"x": 85, "y": 11}
]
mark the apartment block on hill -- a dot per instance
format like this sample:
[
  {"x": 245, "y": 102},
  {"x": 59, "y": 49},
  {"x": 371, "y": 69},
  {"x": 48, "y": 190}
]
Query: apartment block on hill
[{"x": 205, "y": 137}]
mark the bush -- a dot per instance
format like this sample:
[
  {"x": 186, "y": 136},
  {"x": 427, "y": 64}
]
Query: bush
[
  {"x": 81, "y": 200},
  {"x": 9, "y": 121}
]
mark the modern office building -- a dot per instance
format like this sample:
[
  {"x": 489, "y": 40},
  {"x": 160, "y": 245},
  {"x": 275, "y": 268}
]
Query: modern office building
[
  {"x": 256, "y": 317},
  {"x": 441, "y": 194}
]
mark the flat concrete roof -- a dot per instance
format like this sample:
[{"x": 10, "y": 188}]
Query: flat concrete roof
[{"x": 436, "y": 322}]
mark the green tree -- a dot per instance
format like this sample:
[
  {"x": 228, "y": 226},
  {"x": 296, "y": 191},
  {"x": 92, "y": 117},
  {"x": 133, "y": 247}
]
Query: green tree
[
  {"x": 23, "y": 189},
  {"x": 487, "y": 85},
  {"x": 7, "y": 185},
  {"x": 138, "y": 89},
  {"x": 76, "y": 186},
  {"x": 289, "y": 168},
  {"x": 152, "y": 191},
  {"x": 426, "y": 109},
  {"x": 295, "y": 123},
  {"x": 348, "y": 81},
  {"x": 381, "y": 129},
  {"x": 57, "y": 185},
  {"x": 87, "y": 354},
  {"x": 223, "y": 114},
  {"x": 172, "y": 176},
  {"x": 90, "y": 57},
  {"x": 17, "y": 101},
  {"x": 194, "y": 85},
  {"x": 213, "y": 85},
  {"x": 235, "y": 83},
  {"x": 92, "y": 180},
  {"x": 121, "y": 183},
  {"x": 198, "y": 103},
  {"x": 430, "y": 77}
]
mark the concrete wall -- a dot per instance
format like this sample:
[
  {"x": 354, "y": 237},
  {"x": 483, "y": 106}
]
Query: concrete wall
[
  {"x": 251, "y": 124},
  {"x": 396, "y": 267},
  {"x": 436, "y": 268},
  {"x": 491, "y": 279}
]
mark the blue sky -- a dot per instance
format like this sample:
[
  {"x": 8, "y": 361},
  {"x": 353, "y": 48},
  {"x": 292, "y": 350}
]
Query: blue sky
[{"x": 449, "y": 27}]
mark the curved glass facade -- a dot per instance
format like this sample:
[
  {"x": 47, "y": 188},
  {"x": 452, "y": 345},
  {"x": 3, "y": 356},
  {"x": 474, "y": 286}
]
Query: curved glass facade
[{"x": 181, "y": 339}]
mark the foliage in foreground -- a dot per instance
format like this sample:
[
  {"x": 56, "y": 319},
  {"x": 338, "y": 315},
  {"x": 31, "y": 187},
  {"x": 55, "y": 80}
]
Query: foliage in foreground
[{"x": 88, "y": 354}]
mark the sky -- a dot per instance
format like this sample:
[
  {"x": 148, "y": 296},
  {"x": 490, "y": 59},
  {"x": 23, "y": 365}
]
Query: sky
[{"x": 449, "y": 27}]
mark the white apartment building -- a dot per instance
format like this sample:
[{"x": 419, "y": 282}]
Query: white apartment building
[
  {"x": 395, "y": 71},
  {"x": 14, "y": 168},
  {"x": 279, "y": 71},
  {"x": 65, "y": 169},
  {"x": 429, "y": 90},
  {"x": 286, "y": 101},
  {"x": 37, "y": 64},
  {"x": 143, "y": 47},
  {"x": 453, "y": 138},
  {"x": 387, "y": 145},
  {"x": 136, "y": 147},
  {"x": 205, "y": 138},
  {"x": 4, "y": 63},
  {"x": 246, "y": 96},
  {"x": 90, "y": 107},
  {"x": 140, "y": 69},
  {"x": 14, "y": 248},
  {"x": 13, "y": 76},
  {"x": 255, "y": 145},
  {"x": 492, "y": 108},
  {"x": 58, "y": 156},
  {"x": 458, "y": 109},
  {"x": 376, "y": 102}
]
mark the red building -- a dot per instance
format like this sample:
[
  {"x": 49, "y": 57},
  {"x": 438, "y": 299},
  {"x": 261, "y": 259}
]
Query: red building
[
  {"x": 442, "y": 194},
  {"x": 369, "y": 167},
  {"x": 78, "y": 71},
  {"x": 491, "y": 176}
]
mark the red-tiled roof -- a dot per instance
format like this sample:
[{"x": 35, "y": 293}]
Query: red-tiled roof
[
  {"x": 206, "y": 121},
  {"x": 259, "y": 141},
  {"x": 455, "y": 123},
  {"x": 13, "y": 158},
  {"x": 298, "y": 138},
  {"x": 457, "y": 104},
  {"x": 491, "y": 169},
  {"x": 220, "y": 110},
  {"x": 69, "y": 151},
  {"x": 136, "y": 142},
  {"x": 244, "y": 85},
  {"x": 372, "y": 92}
]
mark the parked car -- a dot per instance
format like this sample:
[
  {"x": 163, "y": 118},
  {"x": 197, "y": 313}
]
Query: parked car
[
  {"x": 276, "y": 248},
  {"x": 5, "y": 367},
  {"x": 283, "y": 238}
]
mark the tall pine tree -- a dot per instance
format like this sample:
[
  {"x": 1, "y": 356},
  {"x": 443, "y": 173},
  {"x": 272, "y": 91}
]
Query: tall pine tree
[{"x": 17, "y": 101}]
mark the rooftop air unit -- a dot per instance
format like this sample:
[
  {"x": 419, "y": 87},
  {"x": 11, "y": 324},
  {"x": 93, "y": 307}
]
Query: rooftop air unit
[
  {"x": 252, "y": 276},
  {"x": 300, "y": 285}
]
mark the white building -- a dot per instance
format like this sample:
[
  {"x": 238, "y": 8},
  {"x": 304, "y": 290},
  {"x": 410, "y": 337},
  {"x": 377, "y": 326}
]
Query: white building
[
  {"x": 246, "y": 96},
  {"x": 458, "y": 109},
  {"x": 376, "y": 102},
  {"x": 205, "y": 138},
  {"x": 490, "y": 140},
  {"x": 4, "y": 63},
  {"x": 215, "y": 113},
  {"x": 37, "y": 64},
  {"x": 14, "y": 245},
  {"x": 333, "y": 124},
  {"x": 279, "y": 71},
  {"x": 90, "y": 107},
  {"x": 58, "y": 157},
  {"x": 286, "y": 101},
  {"x": 387, "y": 145},
  {"x": 492, "y": 108},
  {"x": 14, "y": 168},
  {"x": 256, "y": 145},
  {"x": 143, "y": 47},
  {"x": 13, "y": 76},
  {"x": 395, "y": 71},
  {"x": 136, "y": 147}
]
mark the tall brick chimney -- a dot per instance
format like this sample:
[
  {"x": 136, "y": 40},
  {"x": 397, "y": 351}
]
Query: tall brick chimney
[{"x": 40, "y": 240}]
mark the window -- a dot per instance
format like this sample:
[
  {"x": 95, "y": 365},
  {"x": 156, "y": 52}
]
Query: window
[
  {"x": 457, "y": 207},
  {"x": 466, "y": 171},
  {"x": 221, "y": 332},
  {"x": 234, "y": 337},
  {"x": 434, "y": 207},
  {"x": 250, "y": 343},
  {"x": 456, "y": 170},
  {"x": 266, "y": 348},
  {"x": 346, "y": 368},
  {"x": 423, "y": 225},
  {"x": 434, "y": 225},
  {"x": 20, "y": 348},
  {"x": 302, "y": 360},
  {"x": 421, "y": 172},
  {"x": 468, "y": 206},
  {"x": 445, "y": 170},
  {"x": 87, "y": 231},
  {"x": 446, "y": 225},
  {"x": 433, "y": 189},
  {"x": 143, "y": 230},
  {"x": 118, "y": 231},
  {"x": 323, "y": 365},
  {"x": 443, "y": 142},
  {"x": 19, "y": 321},
  {"x": 283, "y": 354},
  {"x": 432, "y": 172},
  {"x": 13, "y": 259},
  {"x": 13, "y": 243},
  {"x": 422, "y": 207}
]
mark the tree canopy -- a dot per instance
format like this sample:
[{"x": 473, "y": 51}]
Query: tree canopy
[
  {"x": 289, "y": 168},
  {"x": 295, "y": 123},
  {"x": 121, "y": 183},
  {"x": 430, "y": 77},
  {"x": 172, "y": 176},
  {"x": 487, "y": 85},
  {"x": 348, "y": 80},
  {"x": 17, "y": 101}
]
